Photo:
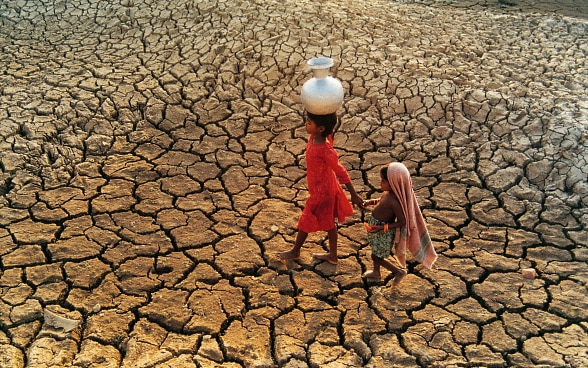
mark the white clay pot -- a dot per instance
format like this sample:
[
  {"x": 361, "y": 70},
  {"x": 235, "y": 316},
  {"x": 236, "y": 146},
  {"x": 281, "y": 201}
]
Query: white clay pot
[{"x": 322, "y": 94}]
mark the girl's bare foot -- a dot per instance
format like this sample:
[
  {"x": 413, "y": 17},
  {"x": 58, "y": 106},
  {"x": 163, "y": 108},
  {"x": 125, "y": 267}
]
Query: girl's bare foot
[
  {"x": 289, "y": 255},
  {"x": 370, "y": 274},
  {"x": 398, "y": 276},
  {"x": 326, "y": 257}
]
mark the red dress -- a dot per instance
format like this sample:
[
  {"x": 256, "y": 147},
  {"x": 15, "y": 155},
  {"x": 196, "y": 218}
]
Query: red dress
[{"x": 327, "y": 200}]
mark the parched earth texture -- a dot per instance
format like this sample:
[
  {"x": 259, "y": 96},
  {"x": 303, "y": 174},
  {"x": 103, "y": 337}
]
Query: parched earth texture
[{"x": 152, "y": 164}]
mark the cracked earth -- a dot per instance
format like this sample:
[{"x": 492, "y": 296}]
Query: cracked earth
[{"x": 152, "y": 164}]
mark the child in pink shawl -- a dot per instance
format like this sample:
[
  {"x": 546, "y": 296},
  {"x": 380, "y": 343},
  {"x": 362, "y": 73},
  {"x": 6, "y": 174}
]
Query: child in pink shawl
[{"x": 397, "y": 221}]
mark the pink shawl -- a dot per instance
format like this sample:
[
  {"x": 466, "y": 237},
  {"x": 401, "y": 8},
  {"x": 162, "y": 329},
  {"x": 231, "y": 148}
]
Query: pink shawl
[{"x": 413, "y": 235}]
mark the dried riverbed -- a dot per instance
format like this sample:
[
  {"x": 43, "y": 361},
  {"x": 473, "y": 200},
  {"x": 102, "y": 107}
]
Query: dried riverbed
[{"x": 152, "y": 163}]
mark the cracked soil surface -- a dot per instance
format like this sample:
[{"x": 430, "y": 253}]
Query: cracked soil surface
[{"x": 152, "y": 164}]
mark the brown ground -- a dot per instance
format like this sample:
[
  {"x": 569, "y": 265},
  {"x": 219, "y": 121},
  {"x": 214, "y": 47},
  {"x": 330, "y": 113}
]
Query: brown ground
[{"x": 152, "y": 163}]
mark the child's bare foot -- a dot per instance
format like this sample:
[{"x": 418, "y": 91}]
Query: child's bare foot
[
  {"x": 326, "y": 257},
  {"x": 289, "y": 255},
  {"x": 370, "y": 274},
  {"x": 398, "y": 276}
]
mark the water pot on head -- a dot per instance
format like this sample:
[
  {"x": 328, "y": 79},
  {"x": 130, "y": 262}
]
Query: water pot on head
[{"x": 322, "y": 94}]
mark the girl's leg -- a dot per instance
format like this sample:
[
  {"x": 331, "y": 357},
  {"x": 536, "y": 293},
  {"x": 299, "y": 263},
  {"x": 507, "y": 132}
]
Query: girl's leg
[
  {"x": 294, "y": 253},
  {"x": 330, "y": 257}
]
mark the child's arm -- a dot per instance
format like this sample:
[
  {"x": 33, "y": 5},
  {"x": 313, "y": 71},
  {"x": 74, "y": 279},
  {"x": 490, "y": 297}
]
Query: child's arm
[{"x": 371, "y": 202}]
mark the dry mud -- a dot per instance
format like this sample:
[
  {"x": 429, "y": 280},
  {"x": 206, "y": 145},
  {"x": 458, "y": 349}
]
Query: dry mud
[{"x": 152, "y": 163}]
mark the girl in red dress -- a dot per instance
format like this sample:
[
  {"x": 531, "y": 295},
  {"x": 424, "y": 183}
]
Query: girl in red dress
[{"x": 327, "y": 201}]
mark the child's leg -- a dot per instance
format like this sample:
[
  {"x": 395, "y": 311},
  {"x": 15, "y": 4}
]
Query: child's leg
[
  {"x": 399, "y": 273},
  {"x": 386, "y": 264},
  {"x": 330, "y": 257},
  {"x": 294, "y": 253},
  {"x": 375, "y": 273}
]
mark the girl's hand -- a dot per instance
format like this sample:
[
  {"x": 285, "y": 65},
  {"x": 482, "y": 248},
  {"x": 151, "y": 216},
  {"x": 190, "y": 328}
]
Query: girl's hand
[
  {"x": 357, "y": 201},
  {"x": 355, "y": 198}
]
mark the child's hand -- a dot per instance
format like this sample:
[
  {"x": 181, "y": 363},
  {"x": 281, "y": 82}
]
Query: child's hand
[
  {"x": 372, "y": 229},
  {"x": 376, "y": 228}
]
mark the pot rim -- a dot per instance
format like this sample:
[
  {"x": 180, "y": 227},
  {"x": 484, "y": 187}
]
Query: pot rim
[{"x": 320, "y": 62}]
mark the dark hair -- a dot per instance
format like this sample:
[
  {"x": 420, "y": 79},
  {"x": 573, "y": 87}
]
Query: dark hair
[
  {"x": 384, "y": 172},
  {"x": 328, "y": 121}
]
